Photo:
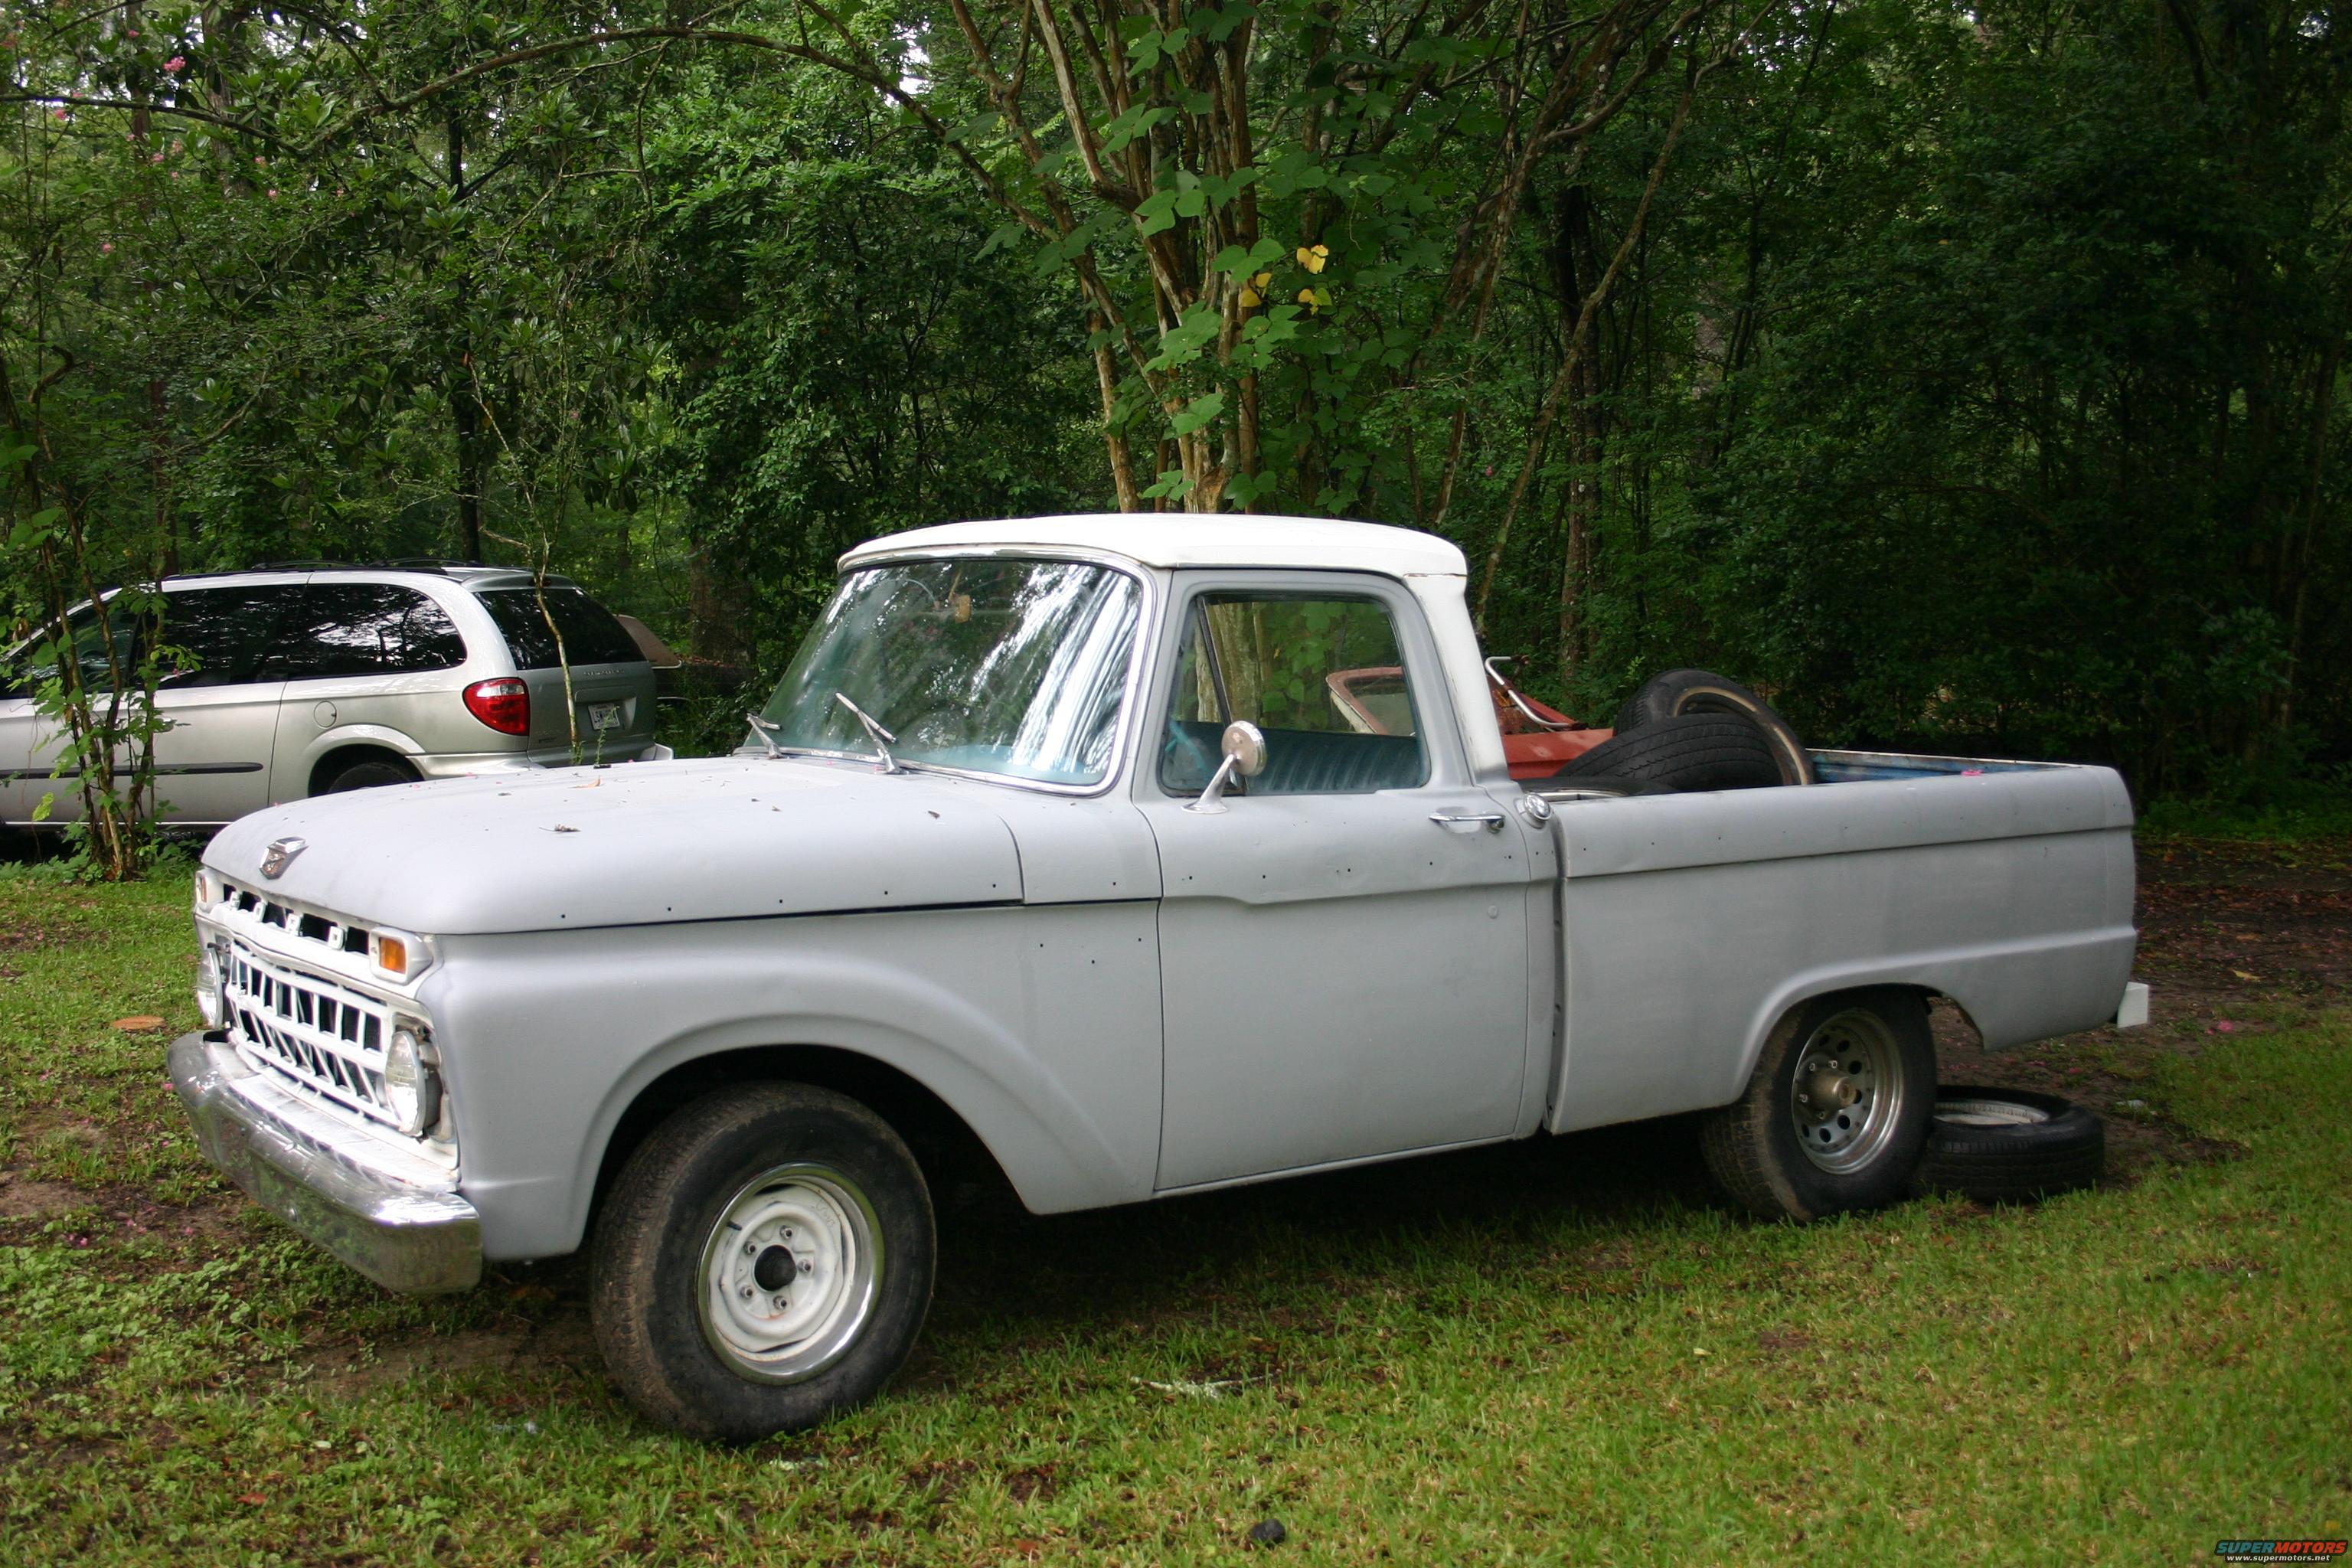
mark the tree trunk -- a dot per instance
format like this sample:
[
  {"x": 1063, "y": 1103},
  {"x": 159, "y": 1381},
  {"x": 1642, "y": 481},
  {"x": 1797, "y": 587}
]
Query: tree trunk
[
  {"x": 719, "y": 606},
  {"x": 465, "y": 394}
]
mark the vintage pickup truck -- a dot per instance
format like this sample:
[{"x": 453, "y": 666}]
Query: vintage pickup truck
[{"x": 1057, "y": 841}]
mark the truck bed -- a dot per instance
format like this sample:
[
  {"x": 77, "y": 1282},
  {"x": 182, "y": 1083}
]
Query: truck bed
[{"x": 2006, "y": 886}]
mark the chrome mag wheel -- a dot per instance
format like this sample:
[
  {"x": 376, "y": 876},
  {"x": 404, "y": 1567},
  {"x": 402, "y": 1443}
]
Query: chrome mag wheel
[{"x": 1846, "y": 1092}]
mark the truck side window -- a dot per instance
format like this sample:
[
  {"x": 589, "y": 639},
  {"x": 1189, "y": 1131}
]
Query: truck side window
[{"x": 1323, "y": 677}]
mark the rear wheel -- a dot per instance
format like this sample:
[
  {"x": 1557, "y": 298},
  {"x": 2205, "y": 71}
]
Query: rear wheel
[
  {"x": 373, "y": 773},
  {"x": 1837, "y": 1111},
  {"x": 764, "y": 1260}
]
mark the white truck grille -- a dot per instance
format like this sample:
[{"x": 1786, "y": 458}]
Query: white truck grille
[{"x": 324, "y": 1038}]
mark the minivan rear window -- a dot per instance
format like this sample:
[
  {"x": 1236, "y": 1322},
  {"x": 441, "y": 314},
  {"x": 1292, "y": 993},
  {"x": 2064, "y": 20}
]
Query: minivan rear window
[{"x": 591, "y": 634}]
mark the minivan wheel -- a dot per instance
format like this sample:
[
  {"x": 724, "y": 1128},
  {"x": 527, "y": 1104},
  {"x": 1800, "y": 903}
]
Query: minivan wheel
[
  {"x": 764, "y": 1261},
  {"x": 1836, "y": 1112},
  {"x": 371, "y": 775}
]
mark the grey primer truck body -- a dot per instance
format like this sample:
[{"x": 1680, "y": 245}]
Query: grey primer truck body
[{"x": 1120, "y": 996}]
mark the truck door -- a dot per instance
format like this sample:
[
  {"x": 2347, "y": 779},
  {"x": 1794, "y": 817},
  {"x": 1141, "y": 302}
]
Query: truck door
[{"x": 1344, "y": 947}]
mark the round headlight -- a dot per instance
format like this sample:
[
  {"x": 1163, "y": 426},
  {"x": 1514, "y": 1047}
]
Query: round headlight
[{"x": 410, "y": 1083}]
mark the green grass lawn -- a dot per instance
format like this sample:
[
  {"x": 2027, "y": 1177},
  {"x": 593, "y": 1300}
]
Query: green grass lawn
[{"x": 1559, "y": 1352}]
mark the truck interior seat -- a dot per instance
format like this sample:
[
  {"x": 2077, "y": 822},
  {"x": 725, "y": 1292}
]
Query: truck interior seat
[{"x": 1298, "y": 762}]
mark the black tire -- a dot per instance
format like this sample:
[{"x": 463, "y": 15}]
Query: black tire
[
  {"x": 1758, "y": 1145},
  {"x": 374, "y": 773},
  {"x": 1700, "y": 752},
  {"x": 2011, "y": 1145},
  {"x": 1678, "y": 692},
  {"x": 662, "y": 1337}
]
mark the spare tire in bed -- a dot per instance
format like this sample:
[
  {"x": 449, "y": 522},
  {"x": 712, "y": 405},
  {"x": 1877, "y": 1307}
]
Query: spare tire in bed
[
  {"x": 1698, "y": 751},
  {"x": 1678, "y": 692}
]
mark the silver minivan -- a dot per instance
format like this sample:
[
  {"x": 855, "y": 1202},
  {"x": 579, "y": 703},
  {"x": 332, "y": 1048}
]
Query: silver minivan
[{"x": 308, "y": 679}]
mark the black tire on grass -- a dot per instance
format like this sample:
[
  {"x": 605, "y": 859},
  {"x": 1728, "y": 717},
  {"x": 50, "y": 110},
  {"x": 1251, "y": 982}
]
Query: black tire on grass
[
  {"x": 669, "y": 1229},
  {"x": 2011, "y": 1145}
]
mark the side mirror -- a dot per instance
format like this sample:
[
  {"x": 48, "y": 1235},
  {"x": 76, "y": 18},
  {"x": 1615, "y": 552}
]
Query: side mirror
[{"x": 1245, "y": 748}]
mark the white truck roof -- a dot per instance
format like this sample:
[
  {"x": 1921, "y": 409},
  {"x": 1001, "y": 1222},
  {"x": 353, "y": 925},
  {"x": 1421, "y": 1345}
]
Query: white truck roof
[{"x": 1195, "y": 539}]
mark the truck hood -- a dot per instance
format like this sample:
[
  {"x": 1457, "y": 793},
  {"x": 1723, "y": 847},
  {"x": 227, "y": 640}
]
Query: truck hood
[{"x": 642, "y": 843}]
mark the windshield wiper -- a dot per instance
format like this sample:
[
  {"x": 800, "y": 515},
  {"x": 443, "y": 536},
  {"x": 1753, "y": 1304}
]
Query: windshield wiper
[
  {"x": 883, "y": 740},
  {"x": 767, "y": 732}
]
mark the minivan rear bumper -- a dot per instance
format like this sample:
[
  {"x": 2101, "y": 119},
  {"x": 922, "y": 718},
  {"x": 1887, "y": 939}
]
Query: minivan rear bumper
[{"x": 400, "y": 1234}]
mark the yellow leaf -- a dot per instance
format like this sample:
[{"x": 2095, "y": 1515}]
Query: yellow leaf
[
  {"x": 1312, "y": 258},
  {"x": 1251, "y": 298}
]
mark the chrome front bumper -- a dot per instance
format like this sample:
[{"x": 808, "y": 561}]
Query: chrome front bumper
[{"x": 410, "y": 1236}]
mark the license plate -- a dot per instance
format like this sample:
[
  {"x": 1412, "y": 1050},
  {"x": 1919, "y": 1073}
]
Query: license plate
[{"x": 603, "y": 715}]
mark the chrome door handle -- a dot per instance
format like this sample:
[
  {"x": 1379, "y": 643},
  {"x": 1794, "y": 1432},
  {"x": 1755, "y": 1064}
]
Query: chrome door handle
[{"x": 1468, "y": 821}]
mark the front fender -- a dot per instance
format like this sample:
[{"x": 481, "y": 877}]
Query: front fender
[{"x": 548, "y": 1038}]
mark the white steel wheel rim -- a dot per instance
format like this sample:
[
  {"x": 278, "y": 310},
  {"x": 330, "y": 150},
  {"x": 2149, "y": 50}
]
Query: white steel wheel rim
[
  {"x": 1846, "y": 1093},
  {"x": 791, "y": 1272},
  {"x": 1989, "y": 1113}
]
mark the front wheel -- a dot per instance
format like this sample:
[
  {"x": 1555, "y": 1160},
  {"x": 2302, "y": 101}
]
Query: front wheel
[
  {"x": 1837, "y": 1111},
  {"x": 764, "y": 1260}
]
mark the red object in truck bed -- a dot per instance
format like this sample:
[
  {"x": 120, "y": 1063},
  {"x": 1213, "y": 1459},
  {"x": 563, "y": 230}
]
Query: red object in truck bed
[
  {"x": 1533, "y": 751},
  {"x": 1537, "y": 741}
]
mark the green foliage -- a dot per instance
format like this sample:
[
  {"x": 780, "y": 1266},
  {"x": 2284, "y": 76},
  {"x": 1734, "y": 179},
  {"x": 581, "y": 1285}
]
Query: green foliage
[{"x": 1966, "y": 380}]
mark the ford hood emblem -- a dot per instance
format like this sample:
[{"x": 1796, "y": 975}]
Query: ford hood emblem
[{"x": 280, "y": 855}]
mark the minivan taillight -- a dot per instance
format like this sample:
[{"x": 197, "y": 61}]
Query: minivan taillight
[{"x": 504, "y": 704}]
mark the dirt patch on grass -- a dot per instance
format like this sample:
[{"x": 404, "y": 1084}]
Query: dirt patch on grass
[
  {"x": 118, "y": 1211},
  {"x": 23, "y": 1199},
  {"x": 347, "y": 1371},
  {"x": 23, "y": 936}
]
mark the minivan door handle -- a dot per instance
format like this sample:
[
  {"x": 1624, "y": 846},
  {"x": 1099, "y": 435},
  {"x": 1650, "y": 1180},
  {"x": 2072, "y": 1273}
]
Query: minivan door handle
[{"x": 1468, "y": 821}]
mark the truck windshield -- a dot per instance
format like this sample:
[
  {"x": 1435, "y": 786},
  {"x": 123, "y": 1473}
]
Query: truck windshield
[{"x": 1016, "y": 668}]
